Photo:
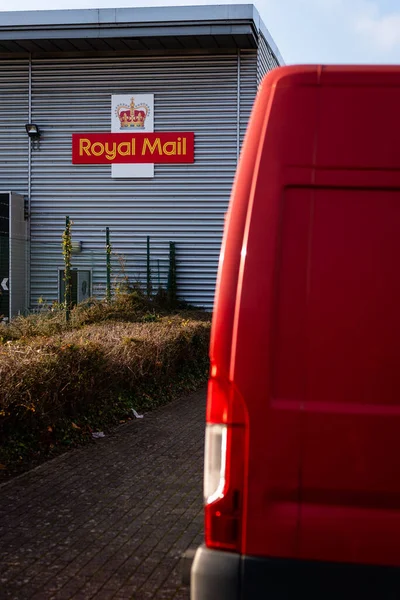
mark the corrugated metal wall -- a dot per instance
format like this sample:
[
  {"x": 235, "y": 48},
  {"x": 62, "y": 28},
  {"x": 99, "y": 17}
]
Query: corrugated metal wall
[
  {"x": 266, "y": 58},
  {"x": 248, "y": 88},
  {"x": 14, "y": 144},
  {"x": 183, "y": 203}
]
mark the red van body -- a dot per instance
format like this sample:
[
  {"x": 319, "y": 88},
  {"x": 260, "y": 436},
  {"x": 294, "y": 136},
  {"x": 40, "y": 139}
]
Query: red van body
[{"x": 303, "y": 410}]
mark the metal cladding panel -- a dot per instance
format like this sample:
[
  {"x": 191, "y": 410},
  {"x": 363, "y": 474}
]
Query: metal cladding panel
[
  {"x": 14, "y": 113},
  {"x": 183, "y": 203},
  {"x": 248, "y": 89},
  {"x": 266, "y": 58}
]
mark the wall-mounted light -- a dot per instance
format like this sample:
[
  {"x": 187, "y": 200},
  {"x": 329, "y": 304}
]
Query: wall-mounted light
[
  {"x": 76, "y": 247},
  {"x": 32, "y": 130}
]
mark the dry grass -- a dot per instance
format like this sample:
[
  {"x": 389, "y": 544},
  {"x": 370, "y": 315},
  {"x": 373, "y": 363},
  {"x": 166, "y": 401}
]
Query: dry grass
[
  {"x": 44, "y": 372},
  {"x": 131, "y": 307},
  {"x": 55, "y": 376}
]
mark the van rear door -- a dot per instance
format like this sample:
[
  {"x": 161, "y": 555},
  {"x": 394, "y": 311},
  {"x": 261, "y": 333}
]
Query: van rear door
[{"x": 350, "y": 489}]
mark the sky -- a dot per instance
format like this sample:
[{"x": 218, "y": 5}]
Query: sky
[{"x": 305, "y": 31}]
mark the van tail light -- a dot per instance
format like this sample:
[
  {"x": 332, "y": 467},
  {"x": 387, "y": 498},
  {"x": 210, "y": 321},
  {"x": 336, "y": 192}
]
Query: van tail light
[
  {"x": 224, "y": 465},
  {"x": 215, "y": 462}
]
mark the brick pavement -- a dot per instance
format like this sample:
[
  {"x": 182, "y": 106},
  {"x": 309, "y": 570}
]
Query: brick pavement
[{"x": 111, "y": 520}]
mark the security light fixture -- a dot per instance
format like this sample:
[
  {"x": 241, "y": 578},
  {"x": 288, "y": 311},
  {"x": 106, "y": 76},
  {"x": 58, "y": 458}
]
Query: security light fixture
[
  {"x": 76, "y": 247},
  {"x": 32, "y": 130}
]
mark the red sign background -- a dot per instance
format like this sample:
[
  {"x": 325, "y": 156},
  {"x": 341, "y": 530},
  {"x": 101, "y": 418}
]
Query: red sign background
[{"x": 109, "y": 148}]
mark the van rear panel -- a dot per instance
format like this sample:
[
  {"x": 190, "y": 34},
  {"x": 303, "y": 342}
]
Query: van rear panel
[
  {"x": 316, "y": 319},
  {"x": 304, "y": 397}
]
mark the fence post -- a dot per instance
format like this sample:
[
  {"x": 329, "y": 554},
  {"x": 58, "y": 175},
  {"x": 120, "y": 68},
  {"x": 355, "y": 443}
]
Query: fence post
[
  {"x": 171, "y": 287},
  {"x": 148, "y": 270},
  {"x": 67, "y": 249},
  {"x": 108, "y": 265}
]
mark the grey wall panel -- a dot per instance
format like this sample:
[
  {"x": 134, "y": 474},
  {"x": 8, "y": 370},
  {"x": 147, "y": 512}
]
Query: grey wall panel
[
  {"x": 248, "y": 88},
  {"x": 183, "y": 203},
  {"x": 266, "y": 58},
  {"x": 14, "y": 113}
]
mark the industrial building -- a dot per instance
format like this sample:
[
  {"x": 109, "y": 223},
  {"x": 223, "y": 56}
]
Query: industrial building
[{"x": 186, "y": 77}]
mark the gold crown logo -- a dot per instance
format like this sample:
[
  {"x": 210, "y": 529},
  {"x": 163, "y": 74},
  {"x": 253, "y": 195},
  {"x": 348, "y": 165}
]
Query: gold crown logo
[{"x": 133, "y": 115}]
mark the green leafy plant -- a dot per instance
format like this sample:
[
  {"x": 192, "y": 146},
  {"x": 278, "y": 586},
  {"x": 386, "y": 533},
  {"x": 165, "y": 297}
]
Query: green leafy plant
[{"x": 67, "y": 251}]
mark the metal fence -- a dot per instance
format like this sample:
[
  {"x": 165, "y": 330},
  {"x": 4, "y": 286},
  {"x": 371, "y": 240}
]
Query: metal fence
[{"x": 150, "y": 269}]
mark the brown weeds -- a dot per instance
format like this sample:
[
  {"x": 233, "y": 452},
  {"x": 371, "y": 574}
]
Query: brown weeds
[{"x": 53, "y": 374}]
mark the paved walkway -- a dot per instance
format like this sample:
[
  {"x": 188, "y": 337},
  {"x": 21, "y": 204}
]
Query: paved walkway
[{"x": 110, "y": 520}]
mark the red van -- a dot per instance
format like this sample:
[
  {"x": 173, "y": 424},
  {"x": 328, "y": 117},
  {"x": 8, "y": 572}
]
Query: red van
[{"x": 302, "y": 462}]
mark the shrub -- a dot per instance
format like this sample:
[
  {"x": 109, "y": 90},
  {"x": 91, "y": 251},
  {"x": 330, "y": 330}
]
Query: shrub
[
  {"x": 58, "y": 382},
  {"x": 131, "y": 305}
]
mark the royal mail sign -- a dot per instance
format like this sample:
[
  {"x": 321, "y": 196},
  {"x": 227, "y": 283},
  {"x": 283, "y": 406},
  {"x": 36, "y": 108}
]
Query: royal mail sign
[
  {"x": 119, "y": 148},
  {"x": 132, "y": 147},
  {"x": 132, "y": 113}
]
